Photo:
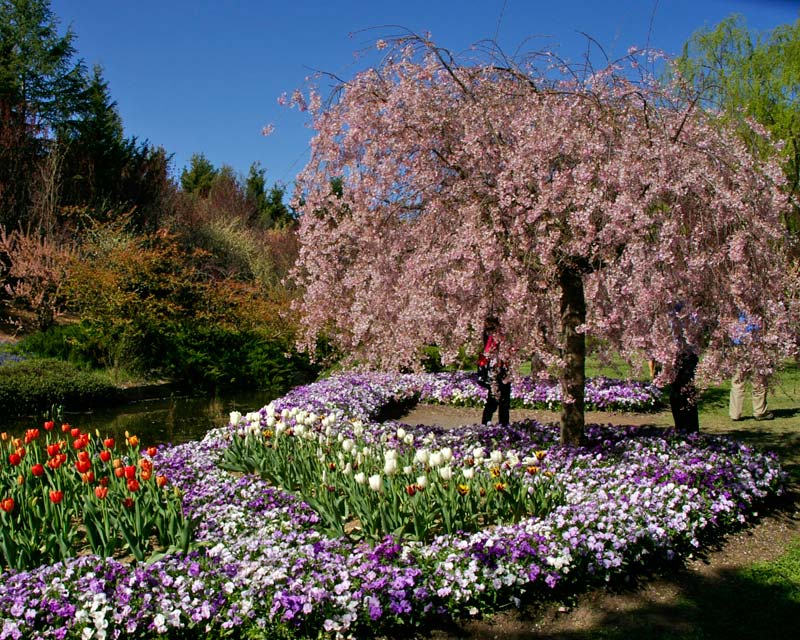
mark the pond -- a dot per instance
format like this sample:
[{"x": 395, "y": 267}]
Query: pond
[{"x": 174, "y": 419}]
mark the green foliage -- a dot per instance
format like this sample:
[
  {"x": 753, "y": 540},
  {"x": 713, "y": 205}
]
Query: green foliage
[
  {"x": 34, "y": 385},
  {"x": 147, "y": 306},
  {"x": 271, "y": 210},
  {"x": 60, "y": 342},
  {"x": 747, "y": 74},
  {"x": 57, "y": 485},
  {"x": 41, "y": 87},
  {"x": 199, "y": 176}
]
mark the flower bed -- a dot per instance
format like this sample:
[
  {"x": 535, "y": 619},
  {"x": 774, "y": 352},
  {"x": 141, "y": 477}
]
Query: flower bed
[
  {"x": 602, "y": 394},
  {"x": 632, "y": 500}
]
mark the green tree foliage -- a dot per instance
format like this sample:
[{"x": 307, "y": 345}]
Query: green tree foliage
[
  {"x": 753, "y": 75},
  {"x": 269, "y": 205},
  {"x": 41, "y": 89},
  {"x": 105, "y": 172},
  {"x": 150, "y": 305},
  {"x": 199, "y": 176}
]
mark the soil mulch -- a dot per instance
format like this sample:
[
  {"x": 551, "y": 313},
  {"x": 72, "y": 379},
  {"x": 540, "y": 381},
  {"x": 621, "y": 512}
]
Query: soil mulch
[{"x": 692, "y": 601}]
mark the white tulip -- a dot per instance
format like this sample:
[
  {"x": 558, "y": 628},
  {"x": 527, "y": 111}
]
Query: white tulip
[
  {"x": 496, "y": 457},
  {"x": 469, "y": 473},
  {"x": 422, "y": 482},
  {"x": 447, "y": 454},
  {"x": 436, "y": 459},
  {"x": 376, "y": 483},
  {"x": 390, "y": 466},
  {"x": 347, "y": 445},
  {"x": 360, "y": 478},
  {"x": 422, "y": 456},
  {"x": 445, "y": 473},
  {"x": 401, "y": 433},
  {"x": 235, "y": 417}
]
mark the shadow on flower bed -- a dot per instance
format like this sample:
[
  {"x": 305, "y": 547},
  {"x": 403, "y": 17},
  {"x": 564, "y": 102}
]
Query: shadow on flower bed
[{"x": 633, "y": 501}]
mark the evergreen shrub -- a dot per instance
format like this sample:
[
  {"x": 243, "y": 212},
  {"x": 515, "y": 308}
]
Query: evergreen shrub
[{"x": 32, "y": 386}]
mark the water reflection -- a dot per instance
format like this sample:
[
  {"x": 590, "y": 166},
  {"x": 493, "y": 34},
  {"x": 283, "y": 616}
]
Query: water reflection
[{"x": 167, "y": 420}]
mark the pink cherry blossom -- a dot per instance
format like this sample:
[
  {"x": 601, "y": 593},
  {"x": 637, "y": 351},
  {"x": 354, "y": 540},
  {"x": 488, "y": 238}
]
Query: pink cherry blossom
[{"x": 470, "y": 189}]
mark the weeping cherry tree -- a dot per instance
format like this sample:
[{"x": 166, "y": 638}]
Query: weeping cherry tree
[{"x": 569, "y": 205}]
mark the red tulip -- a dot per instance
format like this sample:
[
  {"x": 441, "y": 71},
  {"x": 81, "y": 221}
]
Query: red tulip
[
  {"x": 65, "y": 427},
  {"x": 48, "y": 425},
  {"x": 133, "y": 485},
  {"x": 108, "y": 443},
  {"x": 161, "y": 481},
  {"x": 31, "y": 435},
  {"x": 127, "y": 502},
  {"x": 105, "y": 455},
  {"x": 130, "y": 473},
  {"x": 151, "y": 451},
  {"x": 37, "y": 470},
  {"x": 75, "y": 432},
  {"x": 101, "y": 492},
  {"x": 7, "y": 505},
  {"x": 53, "y": 449},
  {"x": 83, "y": 466},
  {"x": 88, "y": 477},
  {"x": 14, "y": 459},
  {"x": 56, "y": 496}
]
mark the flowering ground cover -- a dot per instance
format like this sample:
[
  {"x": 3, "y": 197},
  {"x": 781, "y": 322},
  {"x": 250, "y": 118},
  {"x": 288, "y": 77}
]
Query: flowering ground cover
[{"x": 262, "y": 566}]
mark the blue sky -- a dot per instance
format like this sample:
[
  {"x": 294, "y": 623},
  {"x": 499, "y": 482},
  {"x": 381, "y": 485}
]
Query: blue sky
[{"x": 205, "y": 75}]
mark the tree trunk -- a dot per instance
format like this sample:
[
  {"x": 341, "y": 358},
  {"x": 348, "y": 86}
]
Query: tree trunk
[{"x": 573, "y": 377}]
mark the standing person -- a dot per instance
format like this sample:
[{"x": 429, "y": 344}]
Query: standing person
[
  {"x": 495, "y": 378},
  {"x": 740, "y": 378},
  {"x": 682, "y": 390}
]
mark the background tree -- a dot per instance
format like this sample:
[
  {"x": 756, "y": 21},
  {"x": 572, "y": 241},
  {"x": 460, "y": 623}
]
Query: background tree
[
  {"x": 270, "y": 207},
  {"x": 41, "y": 89},
  {"x": 199, "y": 176},
  {"x": 750, "y": 75},
  {"x": 604, "y": 205}
]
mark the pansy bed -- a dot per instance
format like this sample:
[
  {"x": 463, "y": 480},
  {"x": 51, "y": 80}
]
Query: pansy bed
[{"x": 263, "y": 566}]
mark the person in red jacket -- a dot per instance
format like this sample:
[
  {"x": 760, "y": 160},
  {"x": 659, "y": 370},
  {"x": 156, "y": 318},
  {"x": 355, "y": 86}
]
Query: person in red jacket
[{"x": 493, "y": 375}]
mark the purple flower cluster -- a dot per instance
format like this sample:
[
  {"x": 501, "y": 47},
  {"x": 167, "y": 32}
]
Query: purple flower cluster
[
  {"x": 601, "y": 394},
  {"x": 260, "y": 566}
]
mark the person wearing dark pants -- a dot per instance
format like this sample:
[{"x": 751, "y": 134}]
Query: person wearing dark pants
[{"x": 683, "y": 394}]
